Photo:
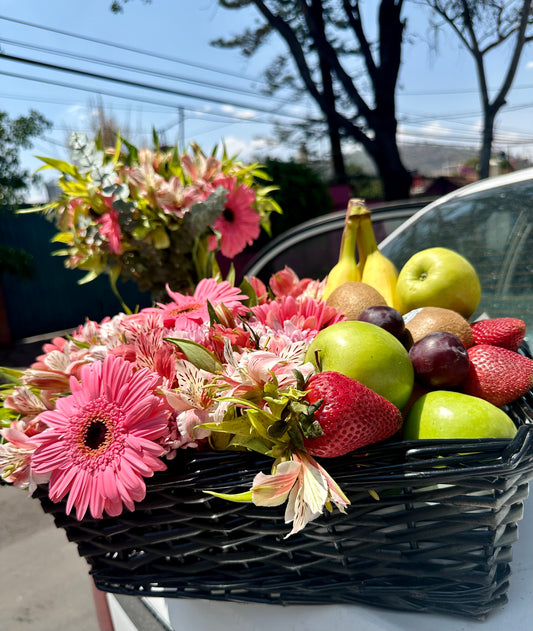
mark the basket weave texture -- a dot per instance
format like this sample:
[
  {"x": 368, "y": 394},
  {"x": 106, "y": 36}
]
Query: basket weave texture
[{"x": 439, "y": 539}]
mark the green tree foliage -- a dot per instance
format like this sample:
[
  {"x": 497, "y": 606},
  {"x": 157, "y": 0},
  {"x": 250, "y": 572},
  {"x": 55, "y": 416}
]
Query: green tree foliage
[
  {"x": 302, "y": 194},
  {"x": 17, "y": 134},
  {"x": 485, "y": 27}
]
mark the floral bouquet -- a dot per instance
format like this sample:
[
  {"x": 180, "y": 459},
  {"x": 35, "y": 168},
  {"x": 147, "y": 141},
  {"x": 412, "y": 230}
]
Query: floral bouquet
[
  {"x": 155, "y": 217},
  {"x": 106, "y": 407}
]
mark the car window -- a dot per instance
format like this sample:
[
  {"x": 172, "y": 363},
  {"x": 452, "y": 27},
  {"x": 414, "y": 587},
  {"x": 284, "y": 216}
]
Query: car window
[{"x": 494, "y": 230}]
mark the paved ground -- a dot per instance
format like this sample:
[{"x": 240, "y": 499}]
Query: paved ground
[{"x": 44, "y": 584}]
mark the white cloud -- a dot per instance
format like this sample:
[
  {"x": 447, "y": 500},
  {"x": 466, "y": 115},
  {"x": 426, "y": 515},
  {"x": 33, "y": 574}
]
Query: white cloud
[
  {"x": 255, "y": 149},
  {"x": 78, "y": 116},
  {"x": 243, "y": 114},
  {"x": 435, "y": 129},
  {"x": 426, "y": 133}
]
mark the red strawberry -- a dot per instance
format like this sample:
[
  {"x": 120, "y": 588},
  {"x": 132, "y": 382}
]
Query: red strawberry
[
  {"x": 351, "y": 415},
  {"x": 497, "y": 375},
  {"x": 504, "y": 332}
]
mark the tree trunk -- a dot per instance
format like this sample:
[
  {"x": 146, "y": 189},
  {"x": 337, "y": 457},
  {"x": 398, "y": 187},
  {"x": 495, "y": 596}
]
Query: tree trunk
[
  {"x": 337, "y": 158},
  {"x": 328, "y": 93},
  {"x": 395, "y": 177},
  {"x": 487, "y": 138}
]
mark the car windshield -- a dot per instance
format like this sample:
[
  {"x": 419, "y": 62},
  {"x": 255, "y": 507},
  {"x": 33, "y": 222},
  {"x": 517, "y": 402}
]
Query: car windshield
[{"x": 492, "y": 228}]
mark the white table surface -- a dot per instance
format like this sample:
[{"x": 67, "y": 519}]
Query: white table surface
[{"x": 517, "y": 615}]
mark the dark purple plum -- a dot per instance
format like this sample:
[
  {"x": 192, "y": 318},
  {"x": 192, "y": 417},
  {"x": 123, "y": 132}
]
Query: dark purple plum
[
  {"x": 406, "y": 339},
  {"x": 385, "y": 317},
  {"x": 440, "y": 360}
]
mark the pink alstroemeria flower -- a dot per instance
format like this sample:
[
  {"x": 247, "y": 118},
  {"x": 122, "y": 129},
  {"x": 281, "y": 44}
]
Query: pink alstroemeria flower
[
  {"x": 306, "y": 485},
  {"x": 305, "y": 313}
]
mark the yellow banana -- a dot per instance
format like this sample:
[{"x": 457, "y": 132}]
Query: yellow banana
[
  {"x": 346, "y": 269},
  {"x": 375, "y": 268}
]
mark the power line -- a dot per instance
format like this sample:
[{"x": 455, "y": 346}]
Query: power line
[
  {"x": 130, "y": 49},
  {"x": 135, "y": 84},
  {"x": 120, "y": 95},
  {"x": 454, "y": 91},
  {"x": 192, "y": 113},
  {"x": 130, "y": 68},
  {"x": 447, "y": 117},
  {"x": 215, "y": 69}
]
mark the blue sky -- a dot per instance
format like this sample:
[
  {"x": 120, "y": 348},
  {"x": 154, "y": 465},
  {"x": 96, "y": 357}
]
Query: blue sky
[{"x": 437, "y": 96}]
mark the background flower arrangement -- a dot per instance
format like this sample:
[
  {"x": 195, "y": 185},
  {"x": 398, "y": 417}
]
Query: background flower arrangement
[{"x": 155, "y": 217}]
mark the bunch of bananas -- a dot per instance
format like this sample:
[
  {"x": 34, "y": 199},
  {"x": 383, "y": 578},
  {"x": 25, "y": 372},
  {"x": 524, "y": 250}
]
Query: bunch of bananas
[{"x": 360, "y": 258}]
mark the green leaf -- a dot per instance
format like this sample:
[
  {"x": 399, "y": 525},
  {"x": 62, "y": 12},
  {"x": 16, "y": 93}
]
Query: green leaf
[
  {"x": 12, "y": 375},
  {"x": 114, "y": 275},
  {"x": 155, "y": 139},
  {"x": 260, "y": 422},
  {"x": 7, "y": 417},
  {"x": 118, "y": 145},
  {"x": 236, "y": 426},
  {"x": 213, "y": 316},
  {"x": 34, "y": 209},
  {"x": 236, "y": 497},
  {"x": 87, "y": 278},
  {"x": 62, "y": 237},
  {"x": 133, "y": 151},
  {"x": 278, "y": 429},
  {"x": 197, "y": 354},
  {"x": 251, "y": 443},
  {"x": 231, "y": 274},
  {"x": 248, "y": 404},
  {"x": 160, "y": 239},
  {"x": 247, "y": 289},
  {"x": 60, "y": 165}
]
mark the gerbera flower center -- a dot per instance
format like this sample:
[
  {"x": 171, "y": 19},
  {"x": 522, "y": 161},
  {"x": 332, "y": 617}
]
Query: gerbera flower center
[
  {"x": 228, "y": 214},
  {"x": 177, "y": 311},
  {"x": 97, "y": 434}
]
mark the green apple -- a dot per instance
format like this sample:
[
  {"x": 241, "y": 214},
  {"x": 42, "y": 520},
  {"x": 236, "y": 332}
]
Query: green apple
[
  {"x": 367, "y": 353},
  {"x": 448, "y": 414},
  {"x": 439, "y": 277}
]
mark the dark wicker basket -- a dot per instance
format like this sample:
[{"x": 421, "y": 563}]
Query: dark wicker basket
[{"x": 438, "y": 539}]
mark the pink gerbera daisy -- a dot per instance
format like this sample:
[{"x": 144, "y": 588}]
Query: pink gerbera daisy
[
  {"x": 188, "y": 312},
  {"x": 239, "y": 223},
  {"x": 100, "y": 440}
]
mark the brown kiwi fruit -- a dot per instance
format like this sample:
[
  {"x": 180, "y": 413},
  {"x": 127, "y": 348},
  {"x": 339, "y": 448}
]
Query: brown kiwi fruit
[
  {"x": 353, "y": 297},
  {"x": 431, "y": 319}
]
